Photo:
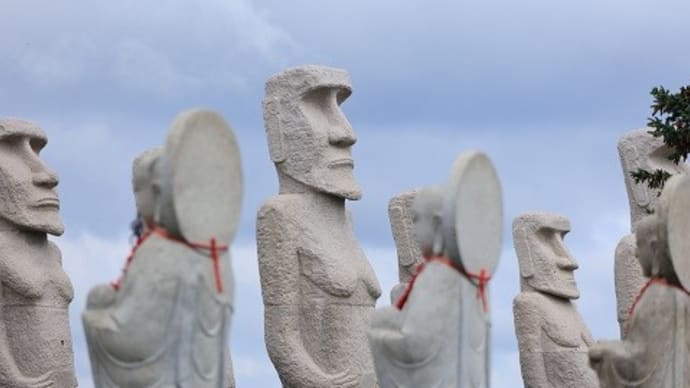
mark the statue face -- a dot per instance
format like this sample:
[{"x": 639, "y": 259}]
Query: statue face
[
  {"x": 640, "y": 150},
  {"x": 545, "y": 263},
  {"x": 28, "y": 192},
  {"x": 310, "y": 138},
  {"x": 326, "y": 163},
  {"x": 143, "y": 184},
  {"x": 426, "y": 215}
]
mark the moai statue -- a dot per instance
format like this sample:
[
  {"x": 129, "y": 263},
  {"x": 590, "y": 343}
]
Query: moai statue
[
  {"x": 407, "y": 247},
  {"x": 318, "y": 288},
  {"x": 35, "y": 292},
  {"x": 168, "y": 325},
  {"x": 437, "y": 334},
  {"x": 552, "y": 337},
  {"x": 656, "y": 351},
  {"x": 637, "y": 149}
]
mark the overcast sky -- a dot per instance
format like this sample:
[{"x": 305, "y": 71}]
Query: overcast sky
[{"x": 546, "y": 88}]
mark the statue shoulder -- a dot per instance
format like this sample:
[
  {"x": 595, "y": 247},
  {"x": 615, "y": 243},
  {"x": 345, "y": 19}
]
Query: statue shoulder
[{"x": 529, "y": 306}]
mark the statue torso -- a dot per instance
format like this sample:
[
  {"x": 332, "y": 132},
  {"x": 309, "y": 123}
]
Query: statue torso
[{"x": 36, "y": 294}]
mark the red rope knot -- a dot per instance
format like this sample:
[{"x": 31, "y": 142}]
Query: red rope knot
[
  {"x": 213, "y": 247},
  {"x": 482, "y": 282}
]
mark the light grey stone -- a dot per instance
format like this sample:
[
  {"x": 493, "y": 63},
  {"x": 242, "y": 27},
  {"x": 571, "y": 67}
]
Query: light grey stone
[
  {"x": 319, "y": 290},
  {"x": 552, "y": 337},
  {"x": 637, "y": 149},
  {"x": 35, "y": 292},
  {"x": 655, "y": 350},
  {"x": 167, "y": 325},
  {"x": 440, "y": 336},
  {"x": 402, "y": 226}
]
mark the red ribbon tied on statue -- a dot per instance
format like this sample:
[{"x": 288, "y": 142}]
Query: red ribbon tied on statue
[
  {"x": 130, "y": 257},
  {"x": 652, "y": 280},
  {"x": 212, "y": 246},
  {"x": 482, "y": 280}
]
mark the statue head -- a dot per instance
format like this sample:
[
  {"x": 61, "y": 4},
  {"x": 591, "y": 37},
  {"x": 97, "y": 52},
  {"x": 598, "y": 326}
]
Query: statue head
[
  {"x": 400, "y": 214},
  {"x": 545, "y": 263},
  {"x": 427, "y": 213},
  {"x": 654, "y": 232},
  {"x": 309, "y": 137},
  {"x": 28, "y": 195},
  {"x": 143, "y": 170},
  {"x": 638, "y": 149}
]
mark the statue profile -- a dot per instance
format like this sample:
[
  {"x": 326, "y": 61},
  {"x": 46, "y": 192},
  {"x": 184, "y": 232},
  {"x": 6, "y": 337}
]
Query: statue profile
[
  {"x": 656, "y": 347},
  {"x": 437, "y": 333},
  {"x": 318, "y": 288},
  {"x": 168, "y": 325},
  {"x": 35, "y": 292}
]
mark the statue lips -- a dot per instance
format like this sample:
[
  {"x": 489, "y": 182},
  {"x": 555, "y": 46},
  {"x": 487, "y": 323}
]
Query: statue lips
[
  {"x": 53, "y": 202},
  {"x": 344, "y": 162}
]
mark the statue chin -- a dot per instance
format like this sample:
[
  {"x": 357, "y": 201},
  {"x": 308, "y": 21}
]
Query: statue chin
[{"x": 564, "y": 292}]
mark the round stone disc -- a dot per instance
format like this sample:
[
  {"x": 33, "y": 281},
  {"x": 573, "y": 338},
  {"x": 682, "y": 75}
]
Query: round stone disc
[
  {"x": 206, "y": 173},
  {"x": 679, "y": 226},
  {"x": 473, "y": 213}
]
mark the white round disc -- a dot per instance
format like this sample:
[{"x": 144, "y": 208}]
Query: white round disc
[
  {"x": 206, "y": 177},
  {"x": 473, "y": 213}
]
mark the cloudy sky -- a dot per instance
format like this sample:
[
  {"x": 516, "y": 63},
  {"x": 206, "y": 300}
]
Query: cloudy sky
[{"x": 544, "y": 87}]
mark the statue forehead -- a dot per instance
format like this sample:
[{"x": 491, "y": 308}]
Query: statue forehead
[
  {"x": 541, "y": 221},
  {"x": 636, "y": 144},
  {"x": 145, "y": 159},
  {"x": 14, "y": 127},
  {"x": 295, "y": 82},
  {"x": 428, "y": 200}
]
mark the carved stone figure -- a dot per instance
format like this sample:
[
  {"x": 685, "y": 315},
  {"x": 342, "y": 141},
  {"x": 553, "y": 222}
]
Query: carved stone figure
[
  {"x": 407, "y": 247},
  {"x": 168, "y": 323},
  {"x": 437, "y": 334},
  {"x": 655, "y": 351},
  {"x": 552, "y": 337},
  {"x": 318, "y": 288},
  {"x": 637, "y": 149},
  {"x": 35, "y": 292}
]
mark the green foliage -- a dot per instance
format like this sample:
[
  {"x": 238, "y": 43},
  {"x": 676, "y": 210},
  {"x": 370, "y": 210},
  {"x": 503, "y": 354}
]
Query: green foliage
[{"x": 671, "y": 121}]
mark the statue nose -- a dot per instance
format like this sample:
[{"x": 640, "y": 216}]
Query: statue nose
[
  {"x": 567, "y": 263},
  {"x": 46, "y": 178},
  {"x": 342, "y": 135}
]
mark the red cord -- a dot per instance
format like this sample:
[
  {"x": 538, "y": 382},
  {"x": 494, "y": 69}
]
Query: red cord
[
  {"x": 653, "y": 280},
  {"x": 482, "y": 280},
  {"x": 212, "y": 247},
  {"x": 140, "y": 240}
]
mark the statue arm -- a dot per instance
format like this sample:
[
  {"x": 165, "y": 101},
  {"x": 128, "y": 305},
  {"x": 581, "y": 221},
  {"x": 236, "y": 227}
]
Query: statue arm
[
  {"x": 417, "y": 333},
  {"x": 279, "y": 272},
  {"x": 528, "y": 328}
]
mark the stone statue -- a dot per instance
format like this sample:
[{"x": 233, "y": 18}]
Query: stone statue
[
  {"x": 402, "y": 226},
  {"x": 552, "y": 338},
  {"x": 35, "y": 292},
  {"x": 637, "y": 149},
  {"x": 318, "y": 288},
  {"x": 655, "y": 351},
  {"x": 168, "y": 324},
  {"x": 437, "y": 334}
]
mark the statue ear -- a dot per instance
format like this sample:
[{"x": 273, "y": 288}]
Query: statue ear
[
  {"x": 523, "y": 251},
  {"x": 273, "y": 130}
]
